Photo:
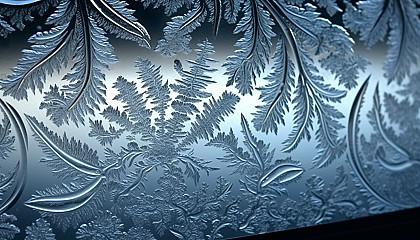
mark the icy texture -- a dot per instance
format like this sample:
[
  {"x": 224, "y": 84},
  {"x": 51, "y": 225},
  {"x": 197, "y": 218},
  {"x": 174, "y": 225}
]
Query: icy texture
[
  {"x": 8, "y": 230},
  {"x": 396, "y": 20},
  {"x": 198, "y": 148},
  {"x": 41, "y": 229},
  {"x": 77, "y": 33}
]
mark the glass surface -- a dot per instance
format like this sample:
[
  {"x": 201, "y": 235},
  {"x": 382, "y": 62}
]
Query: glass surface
[{"x": 202, "y": 119}]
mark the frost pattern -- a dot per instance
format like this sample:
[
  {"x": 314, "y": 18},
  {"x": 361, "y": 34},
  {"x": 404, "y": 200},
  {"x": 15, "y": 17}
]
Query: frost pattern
[
  {"x": 263, "y": 180},
  {"x": 78, "y": 32},
  {"x": 41, "y": 229},
  {"x": 17, "y": 12},
  {"x": 147, "y": 179},
  {"x": 16, "y": 178},
  {"x": 171, "y": 210},
  {"x": 7, "y": 229},
  {"x": 167, "y": 140},
  {"x": 395, "y": 20},
  {"x": 387, "y": 156},
  {"x": 319, "y": 203},
  {"x": 303, "y": 35},
  {"x": 70, "y": 203},
  {"x": 101, "y": 134},
  {"x": 106, "y": 226},
  {"x": 177, "y": 33},
  {"x": 6, "y": 141},
  {"x": 165, "y": 145}
]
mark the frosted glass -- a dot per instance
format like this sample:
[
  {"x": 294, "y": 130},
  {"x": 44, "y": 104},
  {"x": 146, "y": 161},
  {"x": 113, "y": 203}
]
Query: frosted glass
[{"x": 203, "y": 119}]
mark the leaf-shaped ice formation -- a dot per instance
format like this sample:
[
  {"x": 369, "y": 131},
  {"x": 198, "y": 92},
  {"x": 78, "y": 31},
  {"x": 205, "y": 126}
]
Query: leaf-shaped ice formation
[
  {"x": 395, "y": 20},
  {"x": 309, "y": 102},
  {"x": 6, "y": 141},
  {"x": 70, "y": 204},
  {"x": 406, "y": 160},
  {"x": 193, "y": 82},
  {"x": 79, "y": 31},
  {"x": 157, "y": 91},
  {"x": 39, "y": 61},
  {"x": 213, "y": 114},
  {"x": 68, "y": 158},
  {"x": 18, "y": 175},
  {"x": 66, "y": 202},
  {"x": 284, "y": 172},
  {"x": 262, "y": 179},
  {"x": 252, "y": 57},
  {"x": 354, "y": 152},
  {"x": 177, "y": 33},
  {"x": 277, "y": 94}
]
